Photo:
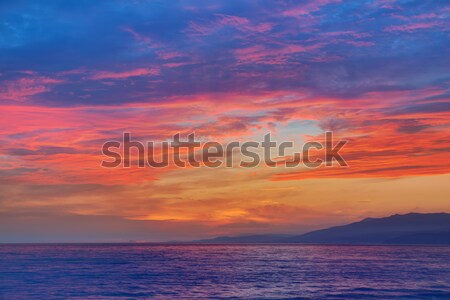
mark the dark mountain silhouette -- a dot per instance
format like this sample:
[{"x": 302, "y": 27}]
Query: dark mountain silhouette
[{"x": 412, "y": 228}]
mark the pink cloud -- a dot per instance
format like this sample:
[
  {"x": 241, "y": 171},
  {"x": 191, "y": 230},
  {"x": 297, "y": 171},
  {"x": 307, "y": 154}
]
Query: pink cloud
[
  {"x": 388, "y": 4},
  {"x": 412, "y": 27},
  {"x": 231, "y": 20},
  {"x": 346, "y": 33},
  {"x": 137, "y": 36},
  {"x": 271, "y": 56},
  {"x": 360, "y": 43},
  {"x": 307, "y": 8},
  {"x": 263, "y": 27},
  {"x": 240, "y": 23},
  {"x": 177, "y": 64},
  {"x": 427, "y": 16},
  {"x": 26, "y": 87},
  {"x": 163, "y": 54},
  {"x": 125, "y": 74}
]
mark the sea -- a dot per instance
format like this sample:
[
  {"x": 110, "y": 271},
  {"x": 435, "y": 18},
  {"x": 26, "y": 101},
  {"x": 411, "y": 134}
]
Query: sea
[{"x": 152, "y": 271}]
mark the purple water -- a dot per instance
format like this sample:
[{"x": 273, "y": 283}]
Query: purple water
[{"x": 136, "y": 271}]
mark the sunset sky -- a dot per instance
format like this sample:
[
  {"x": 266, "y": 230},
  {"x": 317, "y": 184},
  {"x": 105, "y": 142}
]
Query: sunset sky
[{"x": 75, "y": 74}]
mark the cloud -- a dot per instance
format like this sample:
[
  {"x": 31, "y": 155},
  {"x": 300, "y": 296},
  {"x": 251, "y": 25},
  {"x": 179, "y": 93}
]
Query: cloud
[
  {"x": 413, "y": 26},
  {"x": 44, "y": 150},
  {"x": 308, "y": 7},
  {"x": 222, "y": 21},
  {"x": 421, "y": 108},
  {"x": 412, "y": 127},
  {"x": 125, "y": 74},
  {"x": 25, "y": 88}
]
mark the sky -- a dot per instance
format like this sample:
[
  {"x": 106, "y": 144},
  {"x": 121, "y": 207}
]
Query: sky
[{"x": 75, "y": 74}]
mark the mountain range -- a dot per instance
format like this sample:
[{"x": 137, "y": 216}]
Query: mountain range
[{"x": 412, "y": 229}]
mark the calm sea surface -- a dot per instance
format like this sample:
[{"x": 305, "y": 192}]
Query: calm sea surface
[{"x": 223, "y": 272}]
